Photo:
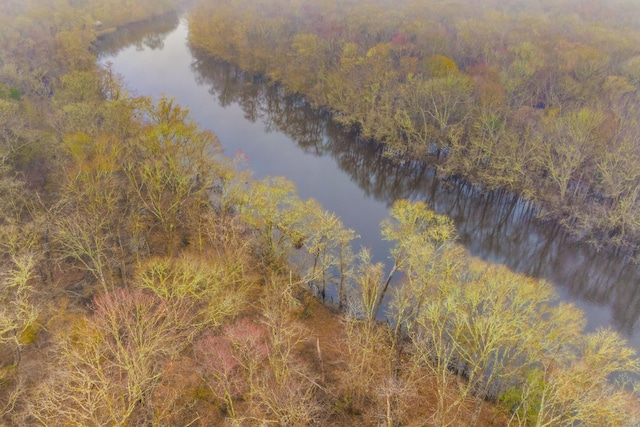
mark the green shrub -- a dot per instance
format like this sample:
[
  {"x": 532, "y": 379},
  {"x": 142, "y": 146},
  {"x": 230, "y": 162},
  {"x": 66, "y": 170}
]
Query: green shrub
[
  {"x": 29, "y": 333},
  {"x": 15, "y": 94}
]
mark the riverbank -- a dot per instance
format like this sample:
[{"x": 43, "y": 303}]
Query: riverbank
[
  {"x": 279, "y": 135},
  {"x": 148, "y": 281},
  {"x": 490, "y": 124}
]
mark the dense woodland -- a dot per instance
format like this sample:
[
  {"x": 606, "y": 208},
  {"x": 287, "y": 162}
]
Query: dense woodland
[
  {"x": 536, "y": 97},
  {"x": 145, "y": 281}
]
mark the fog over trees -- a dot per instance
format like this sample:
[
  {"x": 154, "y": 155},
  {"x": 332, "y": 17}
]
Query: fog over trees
[
  {"x": 146, "y": 281},
  {"x": 538, "y": 98}
]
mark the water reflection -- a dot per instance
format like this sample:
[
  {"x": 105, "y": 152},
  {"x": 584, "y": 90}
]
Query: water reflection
[
  {"x": 494, "y": 225},
  {"x": 148, "y": 34}
]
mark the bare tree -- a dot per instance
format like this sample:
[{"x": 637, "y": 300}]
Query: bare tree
[{"x": 107, "y": 366}]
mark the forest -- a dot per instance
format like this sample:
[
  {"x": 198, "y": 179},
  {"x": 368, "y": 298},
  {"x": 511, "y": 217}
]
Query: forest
[
  {"x": 147, "y": 281},
  {"x": 538, "y": 98}
]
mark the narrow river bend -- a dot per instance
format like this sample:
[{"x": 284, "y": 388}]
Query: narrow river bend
[{"x": 282, "y": 136}]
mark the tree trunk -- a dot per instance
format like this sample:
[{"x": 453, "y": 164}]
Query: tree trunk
[{"x": 376, "y": 309}]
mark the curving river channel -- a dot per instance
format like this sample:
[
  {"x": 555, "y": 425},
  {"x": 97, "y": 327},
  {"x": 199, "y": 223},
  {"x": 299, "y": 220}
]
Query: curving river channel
[{"x": 281, "y": 136}]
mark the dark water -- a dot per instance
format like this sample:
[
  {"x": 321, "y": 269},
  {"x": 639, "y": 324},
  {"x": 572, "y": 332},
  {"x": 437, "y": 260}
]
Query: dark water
[{"x": 281, "y": 136}]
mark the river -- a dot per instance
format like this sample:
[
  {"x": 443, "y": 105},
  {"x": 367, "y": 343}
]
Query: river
[{"x": 281, "y": 135}]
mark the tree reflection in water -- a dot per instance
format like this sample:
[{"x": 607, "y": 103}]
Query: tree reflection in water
[
  {"x": 147, "y": 34},
  {"x": 494, "y": 225}
]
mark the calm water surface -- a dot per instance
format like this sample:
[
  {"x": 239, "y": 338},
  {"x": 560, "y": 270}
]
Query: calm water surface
[{"x": 282, "y": 136}]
